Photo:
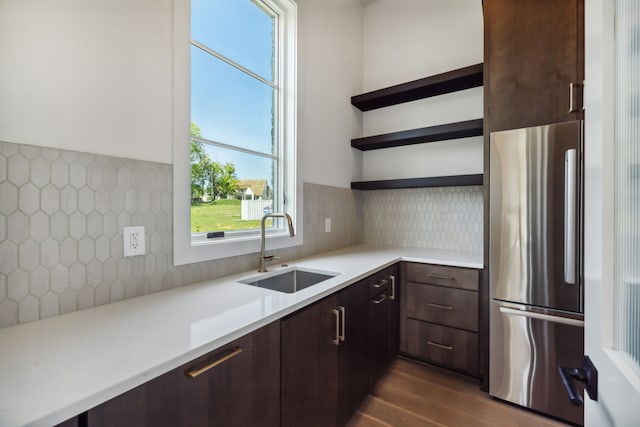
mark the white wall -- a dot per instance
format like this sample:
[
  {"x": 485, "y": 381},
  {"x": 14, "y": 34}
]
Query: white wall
[
  {"x": 95, "y": 76},
  {"x": 406, "y": 40},
  {"x": 90, "y": 76},
  {"x": 330, "y": 72}
]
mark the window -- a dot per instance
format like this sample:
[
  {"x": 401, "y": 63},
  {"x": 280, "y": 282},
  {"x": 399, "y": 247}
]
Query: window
[{"x": 235, "y": 155}]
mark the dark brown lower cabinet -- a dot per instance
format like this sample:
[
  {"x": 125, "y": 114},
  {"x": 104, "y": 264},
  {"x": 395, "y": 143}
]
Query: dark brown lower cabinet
[
  {"x": 353, "y": 371},
  {"x": 439, "y": 316},
  {"x": 71, "y": 422},
  {"x": 312, "y": 368},
  {"x": 310, "y": 339},
  {"x": 325, "y": 359},
  {"x": 442, "y": 345},
  {"x": 236, "y": 385},
  {"x": 383, "y": 328}
]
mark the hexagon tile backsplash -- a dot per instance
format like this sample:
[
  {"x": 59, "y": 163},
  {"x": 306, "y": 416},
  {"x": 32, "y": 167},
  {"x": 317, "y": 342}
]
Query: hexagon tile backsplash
[
  {"x": 62, "y": 214},
  {"x": 61, "y": 220},
  {"x": 449, "y": 218}
]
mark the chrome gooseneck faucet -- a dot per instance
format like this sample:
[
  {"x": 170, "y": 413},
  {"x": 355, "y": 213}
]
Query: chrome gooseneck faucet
[{"x": 264, "y": 258}]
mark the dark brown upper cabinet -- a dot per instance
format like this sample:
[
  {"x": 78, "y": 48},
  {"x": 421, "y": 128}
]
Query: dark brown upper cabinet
[{"x": 534, "y": 62}]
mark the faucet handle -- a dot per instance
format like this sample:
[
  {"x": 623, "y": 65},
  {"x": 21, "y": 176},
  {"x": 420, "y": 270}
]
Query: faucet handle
[{"x": 270, "y": 257}]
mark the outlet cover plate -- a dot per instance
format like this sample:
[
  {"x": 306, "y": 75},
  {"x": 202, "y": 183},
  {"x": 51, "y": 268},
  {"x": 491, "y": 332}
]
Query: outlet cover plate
[{"x": 133, "y": 241}]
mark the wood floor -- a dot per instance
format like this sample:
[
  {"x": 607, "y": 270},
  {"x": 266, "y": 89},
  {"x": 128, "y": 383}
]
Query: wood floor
[{"x": 415, "y": 395}]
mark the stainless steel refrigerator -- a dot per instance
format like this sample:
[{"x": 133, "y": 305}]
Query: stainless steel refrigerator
[{"x": 536, "y": 307}]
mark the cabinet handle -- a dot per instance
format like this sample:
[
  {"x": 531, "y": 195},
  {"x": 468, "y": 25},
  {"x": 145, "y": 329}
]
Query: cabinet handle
[
  {"x": 194, "y": 373},
  {"x": 380, "y": 284},
  {"x": 379, "y": 300},
  {"x": 336, "y": 313},
  {"x": 445, "y": 307},
  {"x": 573, "y": 108},
  {"x": 343, "y": 332},
  {"x": 439, "y": 276},
  {"x": 393, "y": 287},
  {"x": 435, "y": 344}
]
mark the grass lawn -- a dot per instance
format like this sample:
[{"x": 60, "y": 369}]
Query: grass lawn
[{"x": 219, "y": 216}]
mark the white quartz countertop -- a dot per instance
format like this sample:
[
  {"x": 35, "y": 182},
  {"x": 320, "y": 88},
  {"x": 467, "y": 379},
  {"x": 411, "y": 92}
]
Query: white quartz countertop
[{"x": 53, "y": 369}]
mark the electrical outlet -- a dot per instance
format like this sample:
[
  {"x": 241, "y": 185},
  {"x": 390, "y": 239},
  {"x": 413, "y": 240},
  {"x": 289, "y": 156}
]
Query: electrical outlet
[
  {"x": 133, "y": 241},
  {"x": 327, "y": 225}
]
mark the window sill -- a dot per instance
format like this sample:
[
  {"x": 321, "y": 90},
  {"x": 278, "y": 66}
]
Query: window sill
[{"x": 189, "y": 251}]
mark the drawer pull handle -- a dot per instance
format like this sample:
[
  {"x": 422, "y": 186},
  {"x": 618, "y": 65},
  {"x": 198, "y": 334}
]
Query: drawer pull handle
[
  {"x": 445, "y": 307},
  {"x": 440, "y": 276},
  {"x": 379, "y": 300},
  {"x": 380, "y": 284},
  {"x": 393, "y": 287},
  {"x": 435, "y": 344},
  {"x": 194, "y": 373}
]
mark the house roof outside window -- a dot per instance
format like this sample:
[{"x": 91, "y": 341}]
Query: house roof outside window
[{"x": 254, "y": 187}]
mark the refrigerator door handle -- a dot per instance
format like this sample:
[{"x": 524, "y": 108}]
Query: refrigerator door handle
[
  {"x": 570, "y": 178},
  {"x": 541, "y": 316}
]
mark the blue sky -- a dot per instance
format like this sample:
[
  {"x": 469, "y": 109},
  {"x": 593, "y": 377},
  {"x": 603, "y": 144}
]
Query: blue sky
[{"x": 228, "y": 105}]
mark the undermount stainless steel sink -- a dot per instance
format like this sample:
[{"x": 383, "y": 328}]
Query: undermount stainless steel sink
[{"x": 290, "y": 280}]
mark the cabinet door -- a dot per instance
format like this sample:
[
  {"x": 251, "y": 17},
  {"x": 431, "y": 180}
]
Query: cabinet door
[
  {"x": 394, "y": 312},
  {"x": 534, "y": 50},
  {"x": 310, "y": 365},
  {"x": 240, "y": 387},
  {"x": 353, "y": 372},
  {"x": 379, "y": 335},
  {"x": 383, "y": 324},
  {"x": 71, "y": 422}
]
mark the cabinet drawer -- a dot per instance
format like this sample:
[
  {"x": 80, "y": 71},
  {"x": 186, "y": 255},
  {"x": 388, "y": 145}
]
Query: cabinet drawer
[
  {"x": 378, "y": 284},
  {"x": 385, "y": 280},
  {"x": 454, "y": 277},
  {"x": 442, "y": 345},
  {"x": 447, "y": 306}
]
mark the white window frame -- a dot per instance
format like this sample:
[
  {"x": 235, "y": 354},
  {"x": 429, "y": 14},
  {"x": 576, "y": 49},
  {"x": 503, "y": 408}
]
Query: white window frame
[{"x": 190, "y": 248}]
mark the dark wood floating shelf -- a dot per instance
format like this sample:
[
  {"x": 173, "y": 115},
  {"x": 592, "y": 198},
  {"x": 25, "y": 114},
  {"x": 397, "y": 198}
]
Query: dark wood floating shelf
[
  {"x": 435, "y": 181},
  {"x": 451, "y": 81},
  {"x": 419, "y": 136}
]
